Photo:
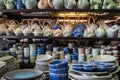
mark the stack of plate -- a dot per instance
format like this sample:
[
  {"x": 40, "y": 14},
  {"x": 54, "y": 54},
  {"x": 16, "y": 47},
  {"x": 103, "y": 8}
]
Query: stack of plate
[
  {"x": 24, "y": 74},
  {"x": 2, "y": 68},
  {"x": 11, "y": 62}
]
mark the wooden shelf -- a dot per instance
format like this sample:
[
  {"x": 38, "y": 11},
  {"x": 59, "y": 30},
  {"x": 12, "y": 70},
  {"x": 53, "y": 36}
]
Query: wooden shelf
[
  {"x": 57, "y": 10},
  {"x": 53, "y": 38}
]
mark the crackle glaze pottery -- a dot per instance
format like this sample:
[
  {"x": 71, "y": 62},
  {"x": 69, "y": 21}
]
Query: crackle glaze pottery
[
  {"x": 108, "y": 4},
  {"x": 95, "y": 4},
  {"x": 23, "y": 74},
  {"x": 38, "y": 32},
  {"x": 83, "y": 4},
  {"x": 19, "y": 4},
  {"x": 9, "y": 4},
  {"x": 89, "y": 32},
  {"x": 43, "y": 4},
  {"x": 67, "y": 30},
  {"x": 78, "y": 30},
  {"x": 100, "y": 32},
  {"x": 18, "y": 32},
  {"x": 27, "y": 31},
  {"x": 57, "y": 33},
  {"x": 112, "y": 31},
  {"x": 30, "y": 4},
  {"x": 48, "y": 32},
  {"x": 57, "y": 4},
  {"x": 2, "y": 6},
  {"x": 70, "y": 4}
]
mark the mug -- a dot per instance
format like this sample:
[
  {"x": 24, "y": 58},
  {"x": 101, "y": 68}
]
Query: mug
[
  {"x": 87, "y": 50},
  {"x": 81, "y": 51},
  {"x": 95, "y": 51},
  {"x": 81, "y": 57}
]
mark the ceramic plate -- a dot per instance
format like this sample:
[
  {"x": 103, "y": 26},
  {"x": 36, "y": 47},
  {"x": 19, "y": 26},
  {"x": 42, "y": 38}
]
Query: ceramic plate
[
  {"x": 104, "y": 58},
  {"x": 6, "y": 58},
  {"x": 2, "y": 64},
  {"x": 23, "y": 74}
]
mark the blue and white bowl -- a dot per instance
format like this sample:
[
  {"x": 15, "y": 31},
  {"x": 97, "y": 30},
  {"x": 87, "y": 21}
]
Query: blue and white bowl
[
  {"x": 59, "y": 71},
  {"x": 58, "y": 64},
  {"x": 58, "y": 76}
]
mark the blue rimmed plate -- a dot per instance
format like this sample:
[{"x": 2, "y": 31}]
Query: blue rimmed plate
[{"x": 23, "y": 74}]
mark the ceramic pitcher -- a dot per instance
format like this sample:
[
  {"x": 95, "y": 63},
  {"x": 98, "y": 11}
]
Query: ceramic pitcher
[
  {"x": 30, "y": 4},
  {"x": 43, "y": 4},
  {"x": 83, "y": 4},
  {"x": 9, "y": 4},
  {"x": 19, "y": 4},
  {"x": 57, "y": 4},
  {"x": 70, "y": 4}
]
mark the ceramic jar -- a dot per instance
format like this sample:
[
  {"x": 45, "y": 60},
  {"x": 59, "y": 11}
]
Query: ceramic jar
[
  {"x": 81, "y": 51},
  {"x": 83, "y": 4},
  {"x": 56, "y": 4},
  {"x": 9, "y": 4},
  {"x": 30, "y": 4},
  {"x": 70, "y": 4},
  {"x": 43, "y": 4},
  {"x": 19, "y": 4},
  {"x": 81, "y": 57}
]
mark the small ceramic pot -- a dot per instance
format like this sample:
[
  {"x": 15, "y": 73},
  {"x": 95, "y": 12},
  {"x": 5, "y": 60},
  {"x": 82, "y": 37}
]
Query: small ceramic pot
[
  {"x": 32, "y": 47},
  {"x": 27, "y": 52},
  {"x": 66, "y": 50},
  {"x": 95, "y": 51},
  {"x": 87, "y": 50},
  {"x": 55, "y": 49}
]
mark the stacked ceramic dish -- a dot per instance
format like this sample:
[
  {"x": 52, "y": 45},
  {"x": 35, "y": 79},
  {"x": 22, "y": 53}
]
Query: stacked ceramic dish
[
  {"x": 11, "y": 62},
  {"x": 2, "y": 68},
  {"x": 58, "y": 70},
  {"x": 24, "y": 74},
  {"x": 103, "y": 67},
  {"x": 42, "y": 63}
]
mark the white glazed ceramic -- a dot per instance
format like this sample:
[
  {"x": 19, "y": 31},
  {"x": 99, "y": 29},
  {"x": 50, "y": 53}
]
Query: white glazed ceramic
[
  {"x": 81, "y": 57},
  {"x": 44, "y": 58},
  {"x": 95, "y": 51},
  {"x": 104, "y": 58}
]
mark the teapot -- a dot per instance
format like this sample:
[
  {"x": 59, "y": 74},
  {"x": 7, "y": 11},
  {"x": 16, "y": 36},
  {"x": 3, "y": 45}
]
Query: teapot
[
  {"x": 57, "y": 4},
  {"x": 100, "y": 32},
  {"x": 30, "y": 4},
  {"x": 9, "y": 4},
  {"x": 19, "y": 4},
  {"x": 67, "y": 29},
  {"x": 2, "y": 5},
  {"x": 112, "y": 31},
  {"x": 38, "y": 32},
  {"x": 89, "y": 32},
  {"x": 83, "y": 4},
  {"x": 13, "y": 24},
  {"x": 70, "y": 4},
  {"x": 18, "y": 32},
  {"x": 95, "y": 4},
  {"x": 27, "y": 31},
  {"x": 43, "y": 4}
]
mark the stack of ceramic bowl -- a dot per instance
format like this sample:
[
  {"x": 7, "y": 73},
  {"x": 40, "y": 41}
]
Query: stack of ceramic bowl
[
  {"x": 32, "y": 53},
  {"x": 12, "y": 64},
  {"x": 2, "y": 68},
  {"x": 24, "y": 74},
  {"x": 42, "y": 63},
  {"x": 40, "y": 50},
  {"x": 58, "y": 70}
]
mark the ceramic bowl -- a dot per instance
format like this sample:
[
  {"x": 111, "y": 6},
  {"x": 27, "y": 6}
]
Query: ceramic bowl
[
  {"x": 44, "y": 58},
  {"x": 77, "y": 68},
  {"x": 57, "y": 64},
  {"x": 58, "y": 76},
  {"x": 74, "y": 56},
  {"x": 104, "y": 58},
  {"x": 89, "y": 68},
  {"x": 59, "y": 71}
]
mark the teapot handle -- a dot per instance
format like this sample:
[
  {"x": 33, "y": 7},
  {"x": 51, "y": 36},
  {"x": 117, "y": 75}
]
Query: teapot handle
[
  {"x": 33, "y": 20},
  {"x": 90, "y": 17},
  {"x": 50, "y": 3}
]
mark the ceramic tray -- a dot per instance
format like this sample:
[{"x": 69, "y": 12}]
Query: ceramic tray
[{"x": 23, "y": 74}]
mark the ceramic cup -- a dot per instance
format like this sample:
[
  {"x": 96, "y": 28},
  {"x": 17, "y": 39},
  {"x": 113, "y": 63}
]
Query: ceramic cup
[
  {"x": 32, "y": 47},
  {"x": 95, "y": 51},
  {"x": 102, "y": 51},
  {"x": 81, "y": 57},
  {"x": 55, "y": 49},
  {"x": 26, "y": 52},
  {"x": 87, "y": 50},
  {"x": 81, "y": 51},
  {"x": 71, "y": 45}
]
